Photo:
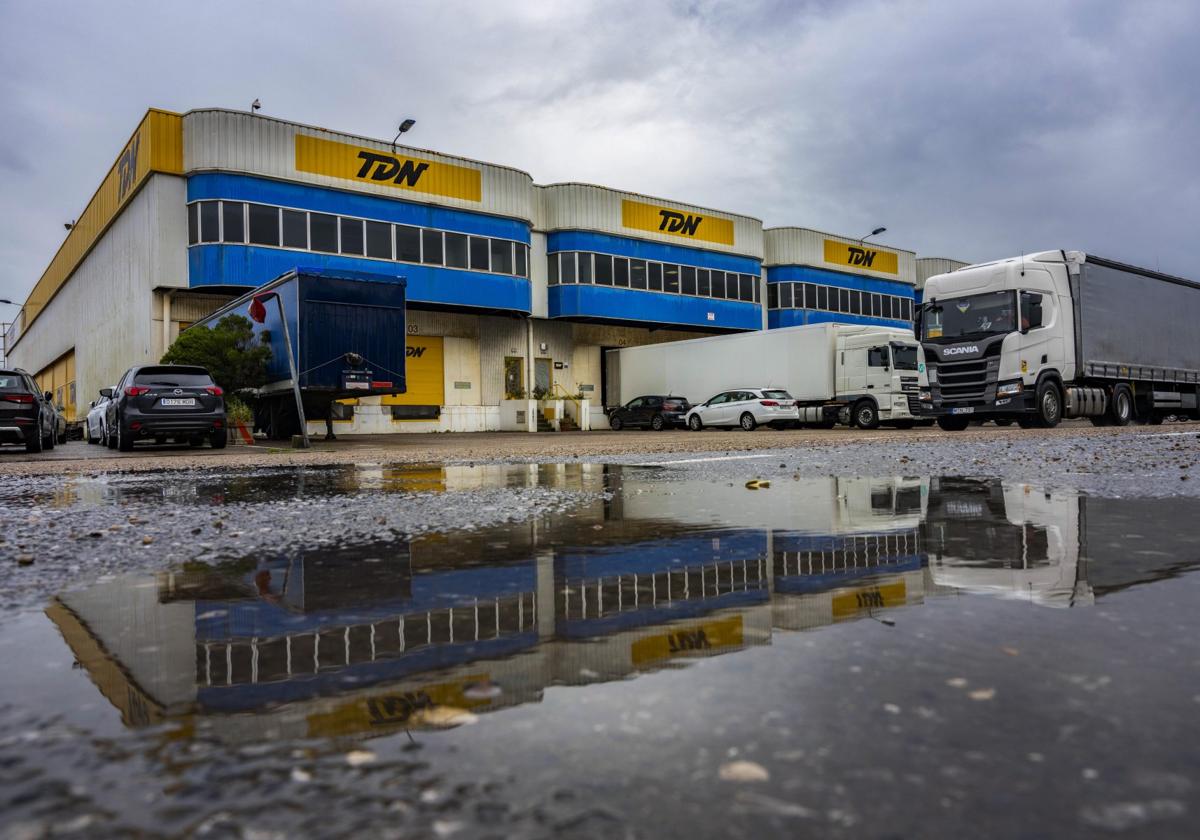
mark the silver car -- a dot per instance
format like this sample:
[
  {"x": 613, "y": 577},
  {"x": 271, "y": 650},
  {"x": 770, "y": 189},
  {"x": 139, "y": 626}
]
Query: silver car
[
  {"x": 747, "y": 408},
  {"x": 96, "y": 430}
]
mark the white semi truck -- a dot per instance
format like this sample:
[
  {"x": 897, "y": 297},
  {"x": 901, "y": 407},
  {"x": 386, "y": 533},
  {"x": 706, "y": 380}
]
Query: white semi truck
[
  {"x": 856, "y": 375},
  {"x": 1060, "y": 334}
]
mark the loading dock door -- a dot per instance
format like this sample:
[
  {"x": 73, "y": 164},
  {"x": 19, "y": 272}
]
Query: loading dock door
[
  {"x": 610, "y": 377},
  {"x": 424, "y": 372}
]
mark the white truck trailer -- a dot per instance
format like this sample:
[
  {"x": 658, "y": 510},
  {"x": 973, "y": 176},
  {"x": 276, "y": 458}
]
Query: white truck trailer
[
  {"x": 838, "y": 373},
  {"x": 1060, "y": 334}
]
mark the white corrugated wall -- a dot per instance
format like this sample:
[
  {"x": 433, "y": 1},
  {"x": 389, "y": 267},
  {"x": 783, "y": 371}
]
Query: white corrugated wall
[{"x": 802, "y": 246}]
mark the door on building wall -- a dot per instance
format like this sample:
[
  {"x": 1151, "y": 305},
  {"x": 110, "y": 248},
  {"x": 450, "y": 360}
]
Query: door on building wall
[
  {"x": 514, "y": 376},
  {"x": 543, "y": 375},
  {"x": 610, "y": 380}
]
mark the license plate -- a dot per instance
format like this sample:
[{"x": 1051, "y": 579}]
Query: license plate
[
  {"x": 183, "y": 402},
  {"x": 967, "y": 410}
]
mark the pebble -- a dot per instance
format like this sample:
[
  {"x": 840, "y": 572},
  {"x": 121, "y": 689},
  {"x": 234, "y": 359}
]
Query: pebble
[{"x": 743, "y": 771}]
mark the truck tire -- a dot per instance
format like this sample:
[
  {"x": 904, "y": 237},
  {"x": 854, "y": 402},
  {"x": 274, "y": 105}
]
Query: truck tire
[
  {"x": 695, "y": 423},
  {"x": 949, "y": 423},
  {"x": 1049, "y": 404},
  {"x": 748, "y": 422},
  {"x": 1121, "y": 408},
  {"x": 865, "y": 415},
  {"x": 615, "y": 423},
  {"x": 657, "y": 423}
]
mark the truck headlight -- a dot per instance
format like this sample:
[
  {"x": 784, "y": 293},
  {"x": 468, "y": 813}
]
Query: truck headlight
[
  {"x": 1009, "y": 389},
  {"x": 925, "y": 395}
]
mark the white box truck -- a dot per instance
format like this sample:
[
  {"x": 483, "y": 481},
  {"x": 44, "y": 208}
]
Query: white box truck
[
  {"x": 838, "y": 373},
  {"x": 1060, "y": 334}
]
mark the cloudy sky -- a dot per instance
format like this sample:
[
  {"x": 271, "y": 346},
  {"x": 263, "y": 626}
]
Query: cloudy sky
[{"x": 970, "y": 129}]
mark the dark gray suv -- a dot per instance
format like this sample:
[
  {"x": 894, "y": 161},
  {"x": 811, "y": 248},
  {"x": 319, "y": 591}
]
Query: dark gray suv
[{"x": 163, "y": 402}]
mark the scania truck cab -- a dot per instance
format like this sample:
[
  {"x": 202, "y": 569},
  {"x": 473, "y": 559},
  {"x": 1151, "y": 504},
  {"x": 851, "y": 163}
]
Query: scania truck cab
[{"x": 1060, "y": 334}]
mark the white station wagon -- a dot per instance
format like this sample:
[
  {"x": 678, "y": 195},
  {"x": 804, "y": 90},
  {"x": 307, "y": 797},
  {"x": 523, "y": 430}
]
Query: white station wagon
[{"x": 745, "y": 407}]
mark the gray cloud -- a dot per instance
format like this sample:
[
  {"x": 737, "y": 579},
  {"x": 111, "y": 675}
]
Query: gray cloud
[{"x": 970, "y": 130}]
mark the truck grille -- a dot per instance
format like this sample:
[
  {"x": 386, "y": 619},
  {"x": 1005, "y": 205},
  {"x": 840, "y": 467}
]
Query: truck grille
[
  {"x": 914, "y": 404},
  {"x": 908, "y": 383},
  {"x": 967, "y": 381}
]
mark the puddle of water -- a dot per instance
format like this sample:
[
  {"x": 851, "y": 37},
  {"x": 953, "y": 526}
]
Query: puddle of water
[{"x": 900, "y": 656}]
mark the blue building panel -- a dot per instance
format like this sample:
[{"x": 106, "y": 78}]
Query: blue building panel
[
  {"x": 216, "y": 185},
  {"x": 251, "y": 265},
  {"x": 621, "y": 246},
  {"x": 777, "y": 318},
  {"x": 608, "y": 303},
  {"x": 806, "y": 274}
]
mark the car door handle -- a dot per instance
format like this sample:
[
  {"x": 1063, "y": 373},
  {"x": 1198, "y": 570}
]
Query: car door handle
[{"x": 870, "y": 386}]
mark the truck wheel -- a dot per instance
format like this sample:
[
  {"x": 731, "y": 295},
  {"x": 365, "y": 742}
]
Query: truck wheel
[
  {"x": 952, "y": 424},
  {"x": 748, "y": 422},
  {"x": 865, "y": 415},
  {"x": 1122, "y": 406},
  {"x": 695, "y": 423},
  {"x": 1049, "y": 404},
  {"x": 615, "y": 423},
  {"x": 657, "y": 423}
]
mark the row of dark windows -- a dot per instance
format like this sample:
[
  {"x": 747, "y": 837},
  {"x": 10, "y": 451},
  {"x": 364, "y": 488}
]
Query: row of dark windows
[
  {"x": 837, "y": 299},
  {"x": 242, "y": 223},
  {"x": 568, "y": 267}
]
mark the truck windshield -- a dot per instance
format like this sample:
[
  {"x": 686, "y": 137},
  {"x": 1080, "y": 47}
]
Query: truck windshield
[
  {"x": 904, "y": 356},
  {"x": 992, "y": 313}
]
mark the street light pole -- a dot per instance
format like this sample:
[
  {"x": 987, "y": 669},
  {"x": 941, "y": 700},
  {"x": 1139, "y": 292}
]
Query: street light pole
[{"x": 875, "y": 232}]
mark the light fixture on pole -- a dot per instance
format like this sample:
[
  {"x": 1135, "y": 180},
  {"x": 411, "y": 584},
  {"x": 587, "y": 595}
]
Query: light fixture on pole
[
  {"x": 404, "y": 126},
  {"x": 255, "y": 105},
  {"x": 875, "y": 232}
]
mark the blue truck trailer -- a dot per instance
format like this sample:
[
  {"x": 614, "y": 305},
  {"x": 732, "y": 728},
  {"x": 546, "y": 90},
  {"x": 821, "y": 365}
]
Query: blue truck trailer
[{"x": 347, "y": 334}]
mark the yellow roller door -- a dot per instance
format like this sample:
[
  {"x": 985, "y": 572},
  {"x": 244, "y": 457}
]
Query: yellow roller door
[{"x": 424, "y": 373}]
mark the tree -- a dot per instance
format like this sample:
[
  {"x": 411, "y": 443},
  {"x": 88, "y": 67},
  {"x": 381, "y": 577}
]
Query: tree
[{"x": 229, "y": 351}]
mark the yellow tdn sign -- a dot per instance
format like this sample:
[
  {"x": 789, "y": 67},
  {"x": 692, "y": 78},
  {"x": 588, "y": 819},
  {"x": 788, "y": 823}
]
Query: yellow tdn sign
[
  {"x": 373, "y": 166},
  {"x": 859, "y": 256},
  {"x": 688, "y": 225}
]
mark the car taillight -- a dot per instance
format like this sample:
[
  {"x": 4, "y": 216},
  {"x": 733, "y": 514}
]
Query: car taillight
[
  {"x": 771, "y": 403},
  {"x": 19, "y": 398},
  {"x": 215, "y": 390},
  {"x": 136, "y": 390}
]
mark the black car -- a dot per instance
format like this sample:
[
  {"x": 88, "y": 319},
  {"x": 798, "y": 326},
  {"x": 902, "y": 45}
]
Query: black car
[
  {"x": 656, "y": 413},
  {"x": 165, "y": 401},
  {"x": 26, "y": 414}
]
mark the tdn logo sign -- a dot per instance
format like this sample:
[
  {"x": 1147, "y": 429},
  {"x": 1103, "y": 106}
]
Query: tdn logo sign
[
  {"x": 861, "y": 256},
  {"x": 127, "y": 167},
  {"x": 388, "y": 168},
  {"x": 414, "y": 352},
  {"x": 675, "y": 222}
]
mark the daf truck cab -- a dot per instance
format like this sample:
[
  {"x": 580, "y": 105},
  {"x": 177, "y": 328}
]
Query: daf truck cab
[{"x": 1060, "y": 334}]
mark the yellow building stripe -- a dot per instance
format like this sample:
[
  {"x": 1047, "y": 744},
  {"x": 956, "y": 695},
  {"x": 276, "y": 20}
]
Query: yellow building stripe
[
  {"x": 858, "y": 256},
  {"x": 156, "y": 146},
  {"x": 851, "y": 602},
  {"x": 690, "y": 640},
  {"x": 685, "y": 224},
  {"x": 374, "y": 166}
]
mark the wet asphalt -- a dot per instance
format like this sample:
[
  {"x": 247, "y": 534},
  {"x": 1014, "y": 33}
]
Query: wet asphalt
[{"x": 892, "y": 637}]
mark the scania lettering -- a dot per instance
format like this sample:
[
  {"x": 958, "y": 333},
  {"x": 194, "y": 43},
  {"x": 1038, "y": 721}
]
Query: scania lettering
[
  {"x": 862, "y": 376},
  {"x": 1060, "y": 334}
]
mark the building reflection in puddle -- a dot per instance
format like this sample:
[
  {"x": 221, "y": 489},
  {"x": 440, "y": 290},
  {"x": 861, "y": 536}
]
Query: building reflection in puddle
[{"x": 373, "y": 638}]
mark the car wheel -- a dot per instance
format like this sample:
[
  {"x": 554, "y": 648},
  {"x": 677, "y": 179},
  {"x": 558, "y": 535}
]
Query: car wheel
[
  {"x": 866, "y": 415},
  {"x": 218, "y": 439},
  {"x": 124, "y": 441},
  {"x": 657, "y": 423},
  {"x": 34, "y": 444},
  {"x": 1049, "y": 404},
  {"x": 615, "y": 424},
  {"x": 695, "y": 423},
  {"x": 748, "y": 423},
  {"x": 950, "y": 423},
  {"x": 87, "y": 435},
  {"x": 48, "y": 443}
]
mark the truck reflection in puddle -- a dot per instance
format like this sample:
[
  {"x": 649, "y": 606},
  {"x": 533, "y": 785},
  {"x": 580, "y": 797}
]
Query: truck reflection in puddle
[{"x": 370, "y": 639}]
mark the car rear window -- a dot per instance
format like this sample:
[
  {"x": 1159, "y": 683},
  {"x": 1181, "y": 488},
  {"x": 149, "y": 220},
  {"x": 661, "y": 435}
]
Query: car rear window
[
  {"x": 674, "y": 403},
  {"x": 176, "y": 376},
  {"x": 777, "y": 395},
  {"x": 11, "y": 382}
]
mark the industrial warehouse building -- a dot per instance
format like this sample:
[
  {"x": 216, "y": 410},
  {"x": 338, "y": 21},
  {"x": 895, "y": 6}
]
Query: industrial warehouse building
[{"x": 513, "y": 287}]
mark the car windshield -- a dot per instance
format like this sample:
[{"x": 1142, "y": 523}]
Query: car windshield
[
  {"x": 173, "y": 377},
  {"x": 777, "y": 395},
  {"x": 993, "y": 313},
  {"x": 904, "y": 356}
]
